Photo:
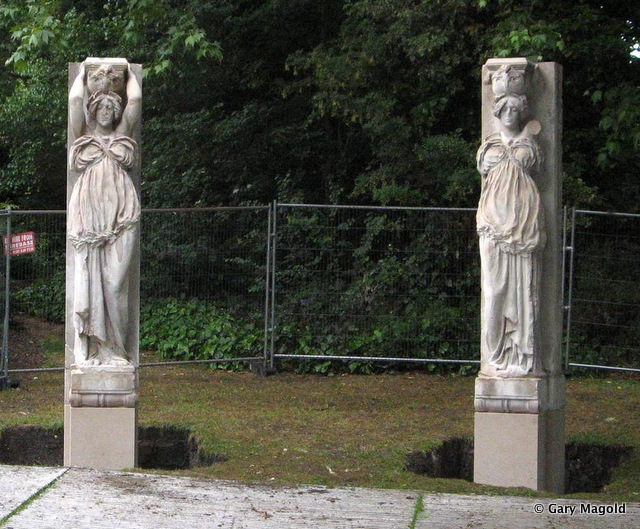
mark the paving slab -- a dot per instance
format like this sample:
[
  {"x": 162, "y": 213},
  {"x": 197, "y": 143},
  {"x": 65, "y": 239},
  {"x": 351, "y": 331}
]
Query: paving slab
[
  {"x": 450, "y": 511},
  {"x": 84, "y": 499},
  {"x": 91, "y": 499},
  {"x": 18, "y": 484}
]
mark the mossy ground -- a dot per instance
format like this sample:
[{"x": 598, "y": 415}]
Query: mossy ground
[{"x": 350, "y": 430}]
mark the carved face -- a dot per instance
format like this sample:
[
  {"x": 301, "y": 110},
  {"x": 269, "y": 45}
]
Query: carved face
[
  {"x": 511, "y": 114},
  {"x": 105, "y": 114}
]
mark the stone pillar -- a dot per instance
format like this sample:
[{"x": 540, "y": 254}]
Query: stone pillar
[
  {"x": 103, "y": 264},
  {"x": 520, "y": 391}
]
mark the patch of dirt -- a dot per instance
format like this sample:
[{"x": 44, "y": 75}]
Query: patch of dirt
[
  {"x": 588, "y": 467},
  {"x": 452, "y": 459},
  {"x": 159, "y": 447},
  {"x": 31, "y": 445},
  {"x": 26, "y": 334}
]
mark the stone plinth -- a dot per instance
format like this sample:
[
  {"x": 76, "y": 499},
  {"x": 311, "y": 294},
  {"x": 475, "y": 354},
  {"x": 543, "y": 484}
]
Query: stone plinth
[
  {"x": 519, "y": 432},
  {"x": 100, "y": 438},
  {"x": 520, "y": 450},
  {"x": 103, "y": 387},
  {"x": 519, "y": 395},
  {"x": 100, "y": 420}
]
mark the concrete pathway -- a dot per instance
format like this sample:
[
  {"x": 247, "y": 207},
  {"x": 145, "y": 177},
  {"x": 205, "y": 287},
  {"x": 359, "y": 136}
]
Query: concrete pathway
[{"x": 55, "y": 498}]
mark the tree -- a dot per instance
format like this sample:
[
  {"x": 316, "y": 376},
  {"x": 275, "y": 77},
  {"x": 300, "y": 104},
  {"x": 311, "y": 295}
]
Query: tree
[
  {"x": 394, "y": 91},
  {"x": 44, "y": 36},
  {"x": 592, "y": 40},
  {"x": 334, "y": 101}
]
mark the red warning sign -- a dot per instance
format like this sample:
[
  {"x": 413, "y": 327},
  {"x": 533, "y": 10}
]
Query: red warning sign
[{"x": 20, "y": 243}]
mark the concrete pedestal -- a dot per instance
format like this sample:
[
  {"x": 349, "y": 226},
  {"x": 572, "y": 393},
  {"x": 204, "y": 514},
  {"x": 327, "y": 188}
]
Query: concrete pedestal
[
  {"x": 520, "y": 450},
  {"x": 519, "y": 432},
  {"x": 100, "y": 438}
]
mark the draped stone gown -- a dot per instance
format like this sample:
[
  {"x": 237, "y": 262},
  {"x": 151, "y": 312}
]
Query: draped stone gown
[
  {"x": 510, "y": 223},
  {"x": 104, "y": 212}
]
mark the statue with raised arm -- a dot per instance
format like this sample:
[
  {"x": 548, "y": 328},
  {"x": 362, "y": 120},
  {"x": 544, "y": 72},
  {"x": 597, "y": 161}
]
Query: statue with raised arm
[
  {"x": 510, "y": 224},
  {"x": 103, "y": 211}
]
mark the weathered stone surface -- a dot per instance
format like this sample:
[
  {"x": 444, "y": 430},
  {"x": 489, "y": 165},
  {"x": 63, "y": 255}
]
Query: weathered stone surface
[
  {"x": 18, "y": 484},
  {"x": 144, "y": 501},
  {"x": 448, "y": 511},
  {"x": 103, "y": 212},
  {"x": 103, "y": 386},
  {"x": 519, "y": 395},
  {"x": 83, "y": 499},
  {"x": 103, "y": 264}
]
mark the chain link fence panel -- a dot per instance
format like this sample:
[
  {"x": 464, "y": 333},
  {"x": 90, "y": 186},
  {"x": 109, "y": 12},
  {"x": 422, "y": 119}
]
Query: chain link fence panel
[
  {"x": 4, "y": 300},
  {"x": 202, "y": 287},
  {"x": 604, "y": 319},
  {"x": 391, "y": 284}
]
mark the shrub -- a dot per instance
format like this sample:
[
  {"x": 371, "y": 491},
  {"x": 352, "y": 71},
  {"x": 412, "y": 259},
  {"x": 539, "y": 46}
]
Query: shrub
[{"x": 196, "y": 330}]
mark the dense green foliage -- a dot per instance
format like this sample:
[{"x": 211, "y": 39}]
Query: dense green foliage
[
  {"x": 369, "y": 101},
  {"x": 338, "y": 101}
]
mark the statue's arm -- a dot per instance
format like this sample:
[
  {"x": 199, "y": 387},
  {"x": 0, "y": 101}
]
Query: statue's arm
[
  {"x": 481, "y": 165},
  {"x": 133, "y": 110},
  {"x": 76, "y": 98}
]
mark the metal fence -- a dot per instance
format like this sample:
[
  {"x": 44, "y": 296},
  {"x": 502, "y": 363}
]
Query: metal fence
[
  {"x": 399, "y": 284},
  {"x": 318, "y": 284},
  {"x": 5, "y": 229},
  {"x": 602, "y": 327}
]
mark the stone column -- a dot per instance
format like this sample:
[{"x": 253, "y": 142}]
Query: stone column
[
  {"x": 103, "y": 264},
  {"x": 520, "y": 391}
]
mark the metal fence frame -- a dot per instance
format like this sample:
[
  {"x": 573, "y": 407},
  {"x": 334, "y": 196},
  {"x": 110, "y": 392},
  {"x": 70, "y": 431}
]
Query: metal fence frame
[
  {"x": 4, "y": 353},
  {"x": 269, "y": 354},
  {"x": 346, "y": 358},
  {"x": 571, "y": 221}
]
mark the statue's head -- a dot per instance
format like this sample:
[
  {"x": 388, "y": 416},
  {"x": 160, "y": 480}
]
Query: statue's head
[
  {"x": 105, "y": 108},
  {"x": 513, "y": 104},
  {"x": 509, "y": 86}
]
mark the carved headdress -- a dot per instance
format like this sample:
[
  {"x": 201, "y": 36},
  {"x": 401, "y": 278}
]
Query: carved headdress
[
  {"x": 104, "y": 82},
  {"x": 509, "y": 82},
  {"x": 105, "y": 78}
]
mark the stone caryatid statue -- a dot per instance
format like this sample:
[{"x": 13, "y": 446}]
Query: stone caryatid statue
[
  {"x": 519, "y": 396},
  {"x": 511, "y": 228},
  {"x": 103, "y": 210}
]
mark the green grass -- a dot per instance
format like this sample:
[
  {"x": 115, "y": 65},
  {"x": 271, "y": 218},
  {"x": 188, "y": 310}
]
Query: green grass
[
  {"x": 351, "y": 430},
  {"x": 417, "y": 511},
  {"x": 51, "y": 347}
]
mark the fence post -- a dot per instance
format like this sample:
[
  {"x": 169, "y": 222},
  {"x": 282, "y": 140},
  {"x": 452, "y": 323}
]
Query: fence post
[
  {"x": 569, "y": 293},
  {"x": 4, "y": 361},
  {"x": 272, "y": 324},
  {"x": 267, "y": 298}
]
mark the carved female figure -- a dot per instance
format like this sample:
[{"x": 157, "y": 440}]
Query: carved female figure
[
  {"x": 103, "y": 217},
  {"x": 510, "y": 223}
]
